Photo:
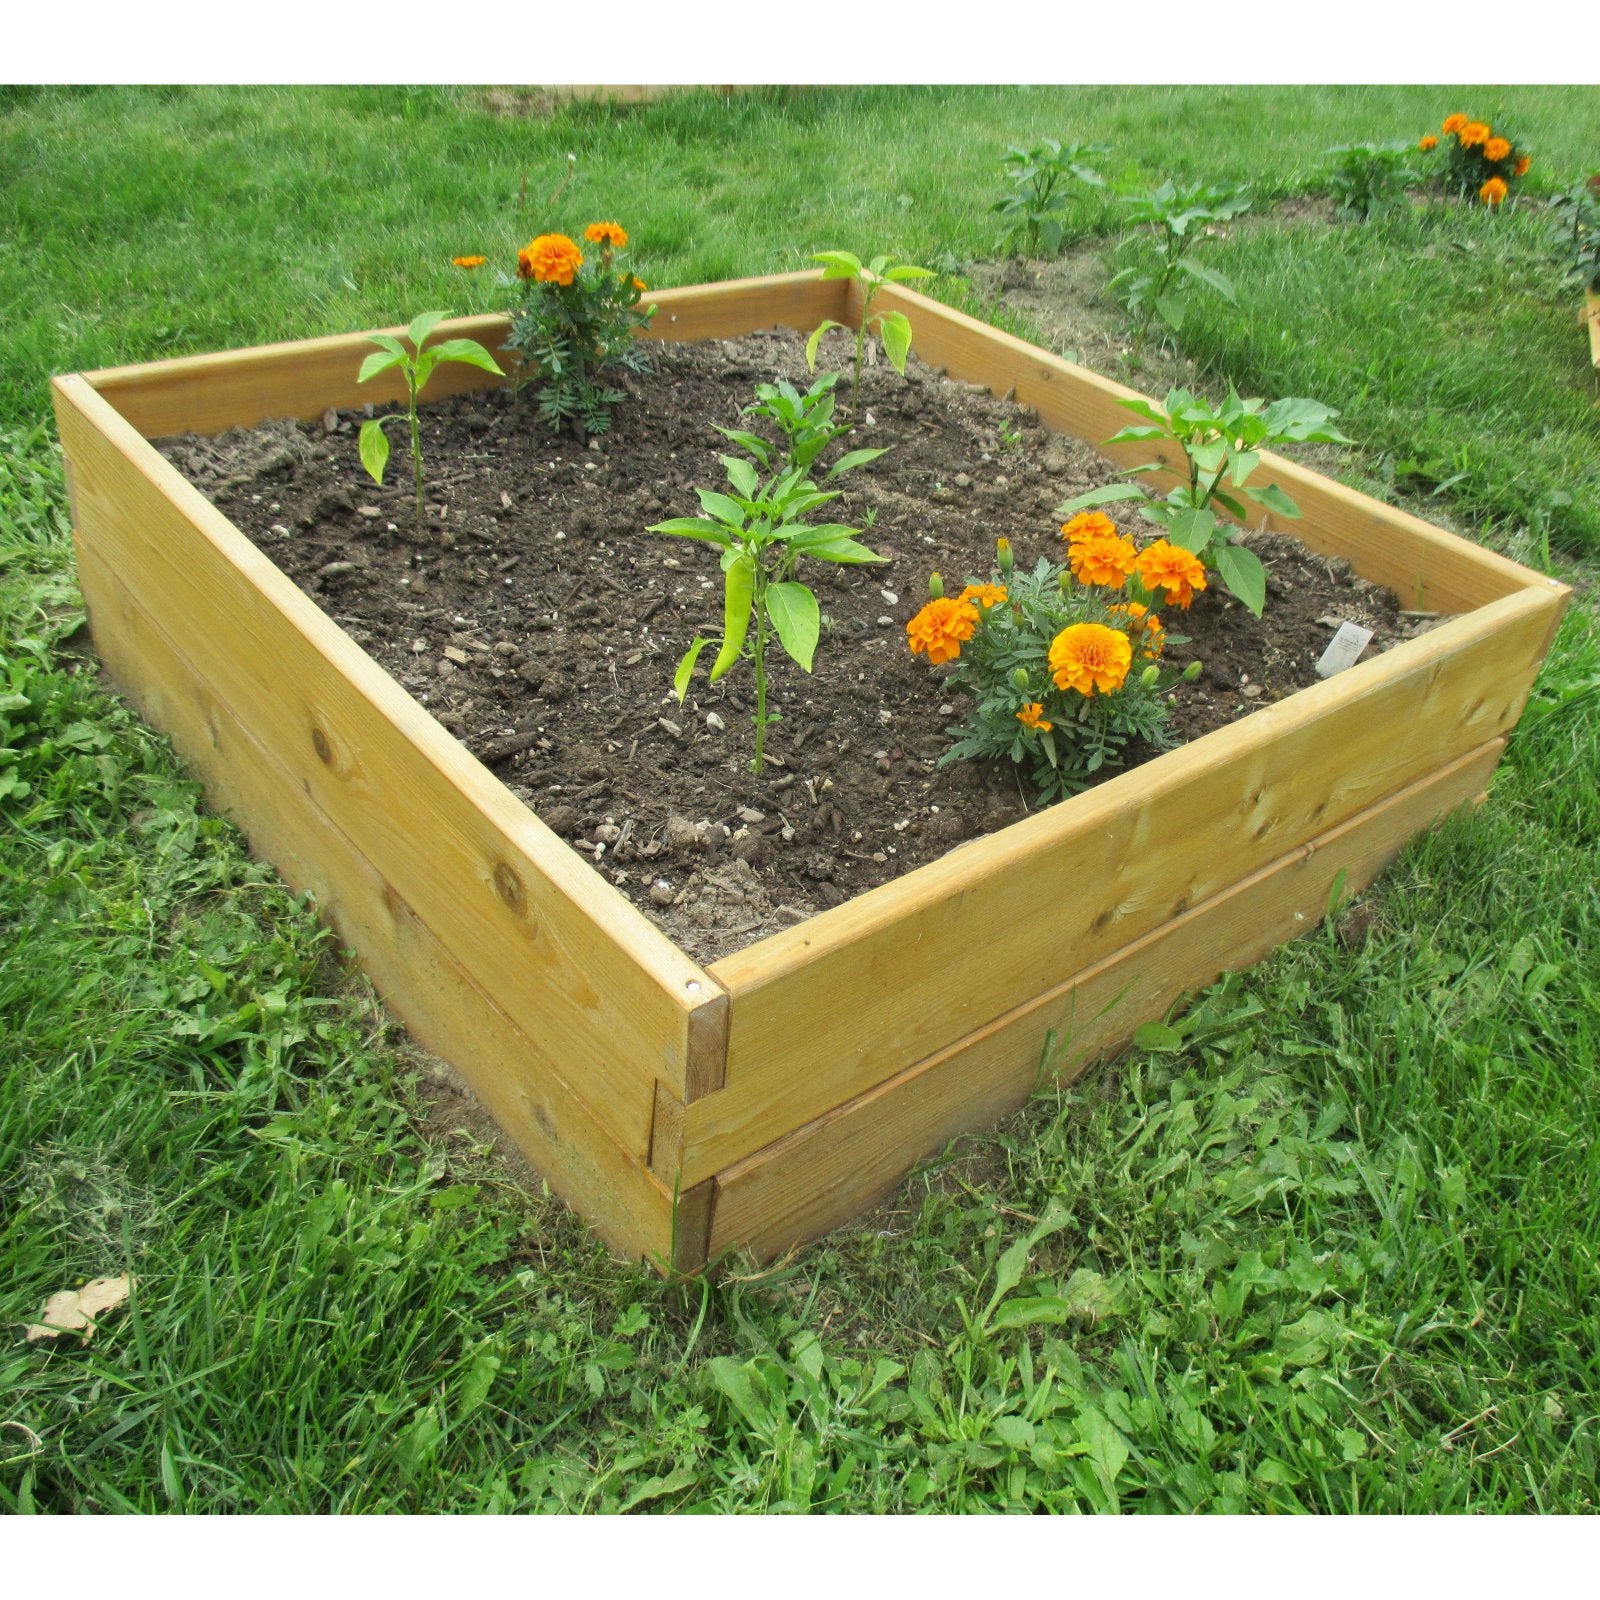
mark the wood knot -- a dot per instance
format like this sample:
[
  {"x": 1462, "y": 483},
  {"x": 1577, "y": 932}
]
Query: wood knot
[
  {"x": 509, "y": 887},
  {"x": 319, "y": 743},
  {"x": 1104, "y": 920}
]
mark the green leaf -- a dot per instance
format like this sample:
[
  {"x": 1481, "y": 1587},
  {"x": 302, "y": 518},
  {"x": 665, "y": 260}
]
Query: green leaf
[
  {"x": 907, "y": 274},
  {"x": 1210, "y": 455},
  {"x": 1144, "y": 409},
  {"x": 1157, "y": 1036},
  {"x": 757, "y": 446},
  {"x": 738, "y": 601},
  {"x": 851, "y": 460},
  {"x": 1244, "y": 463},
  {"x": 1135, "y": 434},
  {"x": 1274, "y": 499},
  {"x": 798, "y": 619},
  {"x": 842, "y": 551},
  {"x": 1211, "y": 278},
  {"x": 1100, "y": 497},
  {"x": 680, "y": 679},
  {"x": 467, "y": 351},
  {"x": 721, "y": 507},
  {"x": 380, "y": 361},
  {"x": 894, "y": 328},
  {"x": 423, "y": 325},
  {"x": 1171, "y": 310},
  {"x": 694, "y": 528},
  {"x": 1190, "y": 529},
  {"x": 1008, "y": 1270},
  {"x": 1245, "y": 577},
  {"x": 816, "y": 339},
  {"x": 374, "y": 447},
  {"x": 741, "y": 475},
  {"x": 839, "y": 263},
  {"x": 389, "y": 343}
]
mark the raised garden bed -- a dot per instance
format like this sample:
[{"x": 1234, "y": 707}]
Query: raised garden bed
[
  {"x": 1591, "y": 315},
  {"x": 758, "y": 1100}
]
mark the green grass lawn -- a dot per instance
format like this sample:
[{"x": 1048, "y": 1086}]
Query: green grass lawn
[{"x": 1334, "y": 1251}]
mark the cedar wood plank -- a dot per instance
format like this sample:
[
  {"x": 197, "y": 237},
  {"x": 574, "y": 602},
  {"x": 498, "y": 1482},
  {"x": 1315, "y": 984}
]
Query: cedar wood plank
[{"x": 829, "y": 1171}]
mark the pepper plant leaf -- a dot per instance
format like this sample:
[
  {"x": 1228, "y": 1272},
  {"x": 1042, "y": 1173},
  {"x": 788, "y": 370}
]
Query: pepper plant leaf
[{"x": 797, "y": 618}]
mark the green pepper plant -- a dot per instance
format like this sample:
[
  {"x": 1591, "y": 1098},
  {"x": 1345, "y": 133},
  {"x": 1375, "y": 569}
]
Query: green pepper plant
[
  {"x": 1035, "y": 175},
  {"x": 893, "y": 327},
  {"x": 417, "y": 369},
  {"x": 761, "y": 531},
  {"x": 1221, "y": 448}
]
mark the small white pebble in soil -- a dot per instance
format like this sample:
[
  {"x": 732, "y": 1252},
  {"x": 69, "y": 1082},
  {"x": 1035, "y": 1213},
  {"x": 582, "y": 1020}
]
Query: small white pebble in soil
[
  {"x": 714, "y": 722},
  {"x": 560, "y": 534},
  {"x": 885, "y": 622},
  {"x": 890, "y": 598},
  {"x": 900, "y": 827},
  {"x": 255, "y": 499},
  {"x": 393, "y": 527},
  {"x": 947, "y": 711},
  {"x": 855, "y": 838},
  {"x": 885, "y": 717},
  {"x": 274, "y": 506}
]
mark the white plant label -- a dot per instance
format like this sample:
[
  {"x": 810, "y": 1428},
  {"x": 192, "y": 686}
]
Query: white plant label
[{"x": 1345, "y": 649}]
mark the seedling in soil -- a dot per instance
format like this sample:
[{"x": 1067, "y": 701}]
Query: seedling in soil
[
  {"x": 893, "y": 327},
  {"x": 374, "y": 443}
]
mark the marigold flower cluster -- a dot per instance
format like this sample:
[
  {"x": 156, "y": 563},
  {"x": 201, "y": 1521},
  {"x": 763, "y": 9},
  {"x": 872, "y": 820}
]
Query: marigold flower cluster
[{"x": 1478, "y": 159}]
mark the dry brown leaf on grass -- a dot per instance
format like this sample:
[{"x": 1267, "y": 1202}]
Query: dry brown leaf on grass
[{"x": 75, "y": 1310}]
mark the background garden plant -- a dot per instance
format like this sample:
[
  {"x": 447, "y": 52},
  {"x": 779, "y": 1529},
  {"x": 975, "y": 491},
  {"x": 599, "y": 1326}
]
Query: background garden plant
[
  {"x": 1576, "y": 230},
  {"x": 1037, "y": 175},
  {"x": 1479, "y": 162},
  {"x": 416, "y": 369},
  {"x": 1178, "y": 217},
  {"x": 1367, "y": 1283},
  {"x": 1369, "y": 180}
]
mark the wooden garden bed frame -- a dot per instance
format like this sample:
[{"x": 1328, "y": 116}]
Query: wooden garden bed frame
[{"x": 760, "y": 1101}]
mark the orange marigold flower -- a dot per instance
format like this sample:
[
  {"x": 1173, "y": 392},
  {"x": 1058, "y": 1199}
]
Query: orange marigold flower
[
  {"x": 1497, "y": 149},
  {"x": 551, "y": 258},
  {"x": 1493, "y": 192},
  {"x": 984, "y": 594},
  {"x": 1088, "y": 525},
  {"x": 1105, "y": 560},
  {"x": 1145, "y": 625},
  {"x": 940, "y": 628},
  {"x": 1032, "y": 716},
  {"x": 1089, "y": 656},
  {"x": 1454, "y": 123},
  {"x": 1473, "y": 134},
  {"x": 605, "y": 233},
  {"x": 1521, "y": 168},
  {"x": 640, "y": 285},
  {"x": 1172, "y": 569},
  {"x": 469, "y": 262},
  {"x": 1427, "y": 141}
]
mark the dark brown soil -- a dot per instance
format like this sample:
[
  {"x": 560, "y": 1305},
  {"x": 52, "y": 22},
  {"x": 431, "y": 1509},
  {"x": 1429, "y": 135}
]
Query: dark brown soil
[{"x": 540, "y": 623}]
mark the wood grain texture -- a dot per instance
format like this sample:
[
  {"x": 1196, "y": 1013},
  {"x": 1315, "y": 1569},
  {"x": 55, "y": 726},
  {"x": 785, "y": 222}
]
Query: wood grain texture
[
  {"x": 1591, "y": 315},
  {"x": 829, "y": 1171},
  {"x": 422, "y": 981},
  {"x": 569, "y": 960},
  {"x": 1429, "y": 568},
  {"x": 891, "y": 977},
  {"x": 798, "y": 300}
]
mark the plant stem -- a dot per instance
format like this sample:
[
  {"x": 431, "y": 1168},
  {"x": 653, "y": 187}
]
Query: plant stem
[{"x": 416, "y": 447}]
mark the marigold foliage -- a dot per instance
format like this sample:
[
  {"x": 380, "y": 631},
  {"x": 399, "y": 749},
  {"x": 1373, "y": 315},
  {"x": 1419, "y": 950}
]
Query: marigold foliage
[{"x": 1479, "y": 161}]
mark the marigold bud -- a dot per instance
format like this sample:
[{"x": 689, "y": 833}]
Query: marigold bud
[
  {"x": 1192, "y": 671},
  {"x": 1149, "y": 676},
  {"x": 1019, "y": 678},
  {"x": 1003, "y": 557},
  {"x": 936, "y": 586}
]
